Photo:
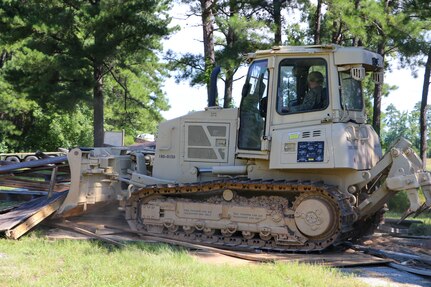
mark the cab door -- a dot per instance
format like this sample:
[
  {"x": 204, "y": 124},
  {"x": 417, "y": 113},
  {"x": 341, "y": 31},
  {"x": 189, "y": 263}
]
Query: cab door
[{"x": 253, "y": 107}]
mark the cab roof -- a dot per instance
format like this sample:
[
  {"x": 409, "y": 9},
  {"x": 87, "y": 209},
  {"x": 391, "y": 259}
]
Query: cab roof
[{"x": 342, "y": 55}]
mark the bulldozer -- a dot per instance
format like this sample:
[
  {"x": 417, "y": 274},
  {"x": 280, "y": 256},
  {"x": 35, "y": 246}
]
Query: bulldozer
[{"x": 296, "y": 167}]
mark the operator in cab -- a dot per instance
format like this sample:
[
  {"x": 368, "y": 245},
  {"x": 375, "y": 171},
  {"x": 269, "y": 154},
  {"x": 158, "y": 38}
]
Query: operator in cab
[{"x": 313, "y": 98}]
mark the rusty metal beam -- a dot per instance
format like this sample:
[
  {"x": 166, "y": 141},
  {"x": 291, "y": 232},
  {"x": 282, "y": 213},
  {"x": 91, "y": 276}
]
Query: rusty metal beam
[
  {"x": 75, "y": 227},
  {"x": 15, "y": 217},
  {"x": 32, "y": 185},
  {"x": 33, "y": 220}
]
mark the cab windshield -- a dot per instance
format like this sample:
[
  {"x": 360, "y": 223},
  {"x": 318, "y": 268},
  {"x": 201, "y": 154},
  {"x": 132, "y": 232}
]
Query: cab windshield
[{"x": 351, "y": 92}]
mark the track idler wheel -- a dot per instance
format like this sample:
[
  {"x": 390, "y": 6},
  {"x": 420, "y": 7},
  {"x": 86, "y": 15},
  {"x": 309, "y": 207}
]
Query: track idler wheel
[{"x": 316, "y": 216}]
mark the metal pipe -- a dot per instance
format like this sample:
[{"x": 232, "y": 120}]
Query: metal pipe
[
  {"x": 205, "y": 170},
  {"x": 33, "y": 163},
  {"x": 231, "y": 170}
]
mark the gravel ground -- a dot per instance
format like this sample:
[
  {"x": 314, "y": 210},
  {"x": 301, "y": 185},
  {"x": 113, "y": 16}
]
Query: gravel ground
[{"x": 386, "y": 276}]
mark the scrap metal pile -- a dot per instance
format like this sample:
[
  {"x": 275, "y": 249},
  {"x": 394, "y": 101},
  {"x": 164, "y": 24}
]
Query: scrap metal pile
[{"x": 31, "y": 191}]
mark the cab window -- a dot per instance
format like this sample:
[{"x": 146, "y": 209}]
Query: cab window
[
  {"x": 302, "y": 86},
  {"x": 351, "y": 92}
]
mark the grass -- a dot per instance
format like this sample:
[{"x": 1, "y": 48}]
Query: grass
[
  {"x": 35, "y": 261},
  {"x": 7, "y": 204},
  {"x": 423, "y": 228}
]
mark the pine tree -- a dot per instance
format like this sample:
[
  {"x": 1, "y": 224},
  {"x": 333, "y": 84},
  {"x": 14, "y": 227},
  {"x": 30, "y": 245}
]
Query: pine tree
[
  {"x": 71, "y": 48},
  {"x": 416, "y": 51},
  {"x": 237, "y": 31}
]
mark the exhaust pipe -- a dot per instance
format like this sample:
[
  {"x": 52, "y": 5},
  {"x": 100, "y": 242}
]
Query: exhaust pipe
[{"x": 213, "y": 87}]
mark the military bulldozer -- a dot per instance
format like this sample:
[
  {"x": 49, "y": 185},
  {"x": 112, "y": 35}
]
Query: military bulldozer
[{"x": 280, "y": 172}]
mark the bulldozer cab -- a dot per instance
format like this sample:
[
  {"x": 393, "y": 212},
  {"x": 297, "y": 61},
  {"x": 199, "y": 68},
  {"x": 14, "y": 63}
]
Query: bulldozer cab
[{"x": 300, "y": 87}]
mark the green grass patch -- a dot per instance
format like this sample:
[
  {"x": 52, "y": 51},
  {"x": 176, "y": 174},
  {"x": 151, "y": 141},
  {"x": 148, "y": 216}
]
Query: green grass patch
[
  {"x": 400, "y": 202},
  {"x": 5, "y": 204},
  {"x": 35, "y": 261}
]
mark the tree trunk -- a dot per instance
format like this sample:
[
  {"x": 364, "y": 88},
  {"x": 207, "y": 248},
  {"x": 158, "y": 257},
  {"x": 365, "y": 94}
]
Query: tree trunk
[
  {"x": 356, "y": 40},
  {"x": 228, "y": 72},
  {"x": 317, "y": 22},
  {"x": 377, "y": 96},
  {"x": 4, "y": 56},
  {"x": 208, "y": 37},
  {"x": 423, "y": 114},
  {"x": 98, "y": 106},
  {"x": 377, "y": 106},
  {"x": 337, "y": 35},
  {"x": 277, "y": 21},
  {"x": 228, "y": 90},
  {"x": 230, "y": 42}
]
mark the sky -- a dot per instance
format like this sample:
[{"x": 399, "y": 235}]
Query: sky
[{"x": 184, "y": 99}]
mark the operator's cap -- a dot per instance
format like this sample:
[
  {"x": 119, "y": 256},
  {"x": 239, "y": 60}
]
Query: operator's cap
[{"x": 316, "y": 77}]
